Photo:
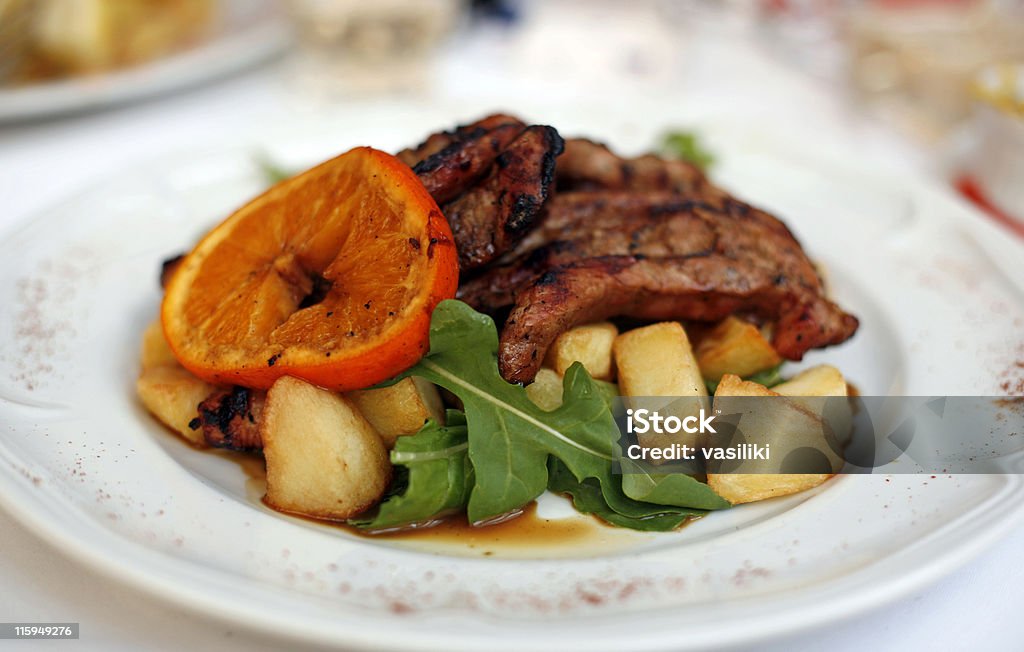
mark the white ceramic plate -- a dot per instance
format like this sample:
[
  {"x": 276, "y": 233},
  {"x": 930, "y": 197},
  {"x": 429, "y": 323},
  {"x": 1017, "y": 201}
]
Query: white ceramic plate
[
  {"x": 83, "y": 465},
  {"x": 246, "y": 33}
]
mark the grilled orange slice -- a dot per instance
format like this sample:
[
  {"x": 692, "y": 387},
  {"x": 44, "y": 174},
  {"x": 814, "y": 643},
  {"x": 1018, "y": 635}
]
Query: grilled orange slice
[{"x": 330, "y": 276}]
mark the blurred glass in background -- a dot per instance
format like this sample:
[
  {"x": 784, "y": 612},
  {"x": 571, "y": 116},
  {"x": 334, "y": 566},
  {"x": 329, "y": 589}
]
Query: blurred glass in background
[
  {"x": 357, "y": 48},
  {"x": 910, "y": 61},
  {"x": 991, "y": 168},
  {"x": 947, "y": 73},
  {"x": 915, "y": 60}
]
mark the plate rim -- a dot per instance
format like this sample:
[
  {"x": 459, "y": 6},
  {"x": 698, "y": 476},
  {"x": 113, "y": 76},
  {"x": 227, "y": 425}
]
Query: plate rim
[{"x": 784, "y": 621}]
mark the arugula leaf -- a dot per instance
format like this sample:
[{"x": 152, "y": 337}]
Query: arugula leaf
[
  {"x": 768, "y": 377},
  {"x": 679, "y": 489},
  {"x": 588, "y": 497},
  {"x": 436, "y": 480},
  {"x": 510, "y": 438},
  {"x": 686, "y": 145},
  {"x": 271, "y": 171}
]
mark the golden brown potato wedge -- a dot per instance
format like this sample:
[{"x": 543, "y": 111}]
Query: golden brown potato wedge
[
  {"x": 400, "y": 409},
  {"x": 786, "y": 426},
  {"x": 657, "y": 361},
  {"x": 155, "y": 351},
  {"x": 734, "y": 346},
  {"x": 740, "y": 488},
  {"x": 590, "y": 344},
  {"x": 323, "y": 458},
  {"x": 812, "y": 387},
  {"x": 823, "y": 380},
  {"x": 546, "y": 389},
  {"x": 733, "y": 385},
  {"x": 172, "y": 395}
]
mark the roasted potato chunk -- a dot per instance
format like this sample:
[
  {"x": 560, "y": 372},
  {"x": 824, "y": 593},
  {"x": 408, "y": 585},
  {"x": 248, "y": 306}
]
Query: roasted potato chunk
[
  {"x": 590, "y": 344},
  {"x": 823, "y": 380},
  {"x": 812, "y": 386},
  {"x": 400, "y": 409},
  {"x": 173, "y": 395},
  {"x": 323, "y": 458},
  {"x": 740, "y": 488},
  {"x": 155, "y": 351},
  {"x": 657, "y": 361},
  {"x": 786, "y": 426},
  {"x": 546, "y": 389},
  {"x": 734, "y": 346}
]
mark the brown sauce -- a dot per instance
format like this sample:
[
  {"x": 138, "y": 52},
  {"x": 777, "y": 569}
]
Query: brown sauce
[
  {"x": 254, "y": 466},
  {"x": 527, "y": 529},
  {"x": 525, "y": 535}
]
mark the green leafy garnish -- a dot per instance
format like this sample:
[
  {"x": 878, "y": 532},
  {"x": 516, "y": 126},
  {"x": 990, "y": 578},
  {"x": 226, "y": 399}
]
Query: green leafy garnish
[
  {"x": 678, "y": 489},
  {"x": 768, "y": 377},
  {"x": 436, "y": 479},
  {"x": 510, "y": 441},
  {"x": 686, "y": 146},
  {"x": 271, "y": 171},
  {"x": 510, "y": 437},
  {"x": 588, "y": 497}
]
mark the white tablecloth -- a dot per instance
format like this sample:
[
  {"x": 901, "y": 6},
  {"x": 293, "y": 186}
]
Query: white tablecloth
[{"x": 977, "y": 607}]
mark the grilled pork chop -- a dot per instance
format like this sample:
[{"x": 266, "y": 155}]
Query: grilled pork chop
[
  {"x": 441, "y": 140},
  {"x": 643, "y": 237},
  {"x": 490, "y": 179},
  {"x": 587, "y": 165},
  {"x": 491, "y": 218},
  {"x": 655, "y": 256},
  {"x": 451, "y": 171}
]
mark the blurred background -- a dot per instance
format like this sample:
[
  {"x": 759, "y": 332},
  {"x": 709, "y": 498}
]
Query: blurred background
[{"x": 935, "y": 84}]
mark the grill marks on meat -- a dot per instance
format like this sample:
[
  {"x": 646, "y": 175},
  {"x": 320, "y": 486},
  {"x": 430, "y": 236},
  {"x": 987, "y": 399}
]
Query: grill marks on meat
[
  {"x": 230, "y": 419},
  {"x": 570, "y": 216},
  {"x": 655, "y": 257},
  {"x": 451, "y": 171},
  {"x": 491, "y": 218},
  {"x": 643, "y": 237},
  {"x": 581, "y": 225},
  {"x": 587, "y": 165},
  {"x": 706, "y": 288},
  {"x": 439, "y": 141},
  {"x": 491, "y": 179}
]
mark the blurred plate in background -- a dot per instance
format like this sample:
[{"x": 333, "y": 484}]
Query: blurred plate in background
[{"x": 245, "y": 33}]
